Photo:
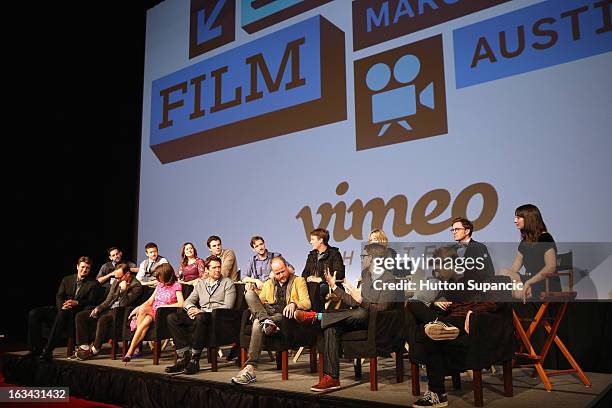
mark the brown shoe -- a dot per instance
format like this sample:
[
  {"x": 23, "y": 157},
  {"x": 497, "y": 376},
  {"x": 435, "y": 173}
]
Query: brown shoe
[
  {"x": 327, "y": 383},
  {"x": 438, "y": 330}
]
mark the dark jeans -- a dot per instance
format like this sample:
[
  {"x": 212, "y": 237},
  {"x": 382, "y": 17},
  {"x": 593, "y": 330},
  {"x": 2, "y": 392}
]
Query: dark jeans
[
  {"x": 60, "y": 321},
  {"x": 99, "y": 328},
  {"x": 436, "y": 366},
  {"x": 335, "y": 324},
  {"x": 188, "y": 332}
]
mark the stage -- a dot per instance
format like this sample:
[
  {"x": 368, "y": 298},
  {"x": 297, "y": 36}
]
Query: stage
[{"x": 143, "y": 384}]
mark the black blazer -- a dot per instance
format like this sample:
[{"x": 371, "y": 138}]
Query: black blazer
[
  {"x": 87, "y": 294},
  {"x": 474, "y": 250}
]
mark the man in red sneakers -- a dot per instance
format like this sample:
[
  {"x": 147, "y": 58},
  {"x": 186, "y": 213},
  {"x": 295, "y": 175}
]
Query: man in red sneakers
[{"x": 336, "y": 323}]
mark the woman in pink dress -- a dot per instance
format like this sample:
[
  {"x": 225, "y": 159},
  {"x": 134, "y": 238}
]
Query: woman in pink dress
[
  {"x": 167, "y": 293},
  {"x": 192, "y": 268}
]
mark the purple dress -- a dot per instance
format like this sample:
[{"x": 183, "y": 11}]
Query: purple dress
[{"x": 193, "y": 271}]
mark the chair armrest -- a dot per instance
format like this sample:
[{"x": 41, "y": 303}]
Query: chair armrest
[
  {"x": 163, "y": 313},
  {"x": 372, "y": 318},
  {"x": 161, "y": 322},
  {"x": 226, "y": 314},
  {"x": 488, "y": 324},
  {"x": 390, "y": 329}
]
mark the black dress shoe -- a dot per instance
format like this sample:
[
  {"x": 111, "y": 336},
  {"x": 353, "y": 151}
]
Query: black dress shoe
[
  {"x": 181, "y": 363},
  {"x": 194, "y": 365},
  {"x": 46, "y": 355},
  {"x": 233, "y": 353}
]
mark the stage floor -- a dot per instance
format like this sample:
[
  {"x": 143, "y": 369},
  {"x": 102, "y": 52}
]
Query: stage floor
[{"x": 568, "y": 391}]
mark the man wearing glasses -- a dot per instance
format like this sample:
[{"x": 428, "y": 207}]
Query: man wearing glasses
[
  {"x": 449, "y": 317},
  {"x": 467, "y": 248},
  {"x": 363, "y": 301}
]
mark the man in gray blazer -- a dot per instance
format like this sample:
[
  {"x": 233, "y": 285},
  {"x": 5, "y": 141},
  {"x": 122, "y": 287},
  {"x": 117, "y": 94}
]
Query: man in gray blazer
[
  {"x": 188, "y": 327},
  {"x": 124, "y": 291}
]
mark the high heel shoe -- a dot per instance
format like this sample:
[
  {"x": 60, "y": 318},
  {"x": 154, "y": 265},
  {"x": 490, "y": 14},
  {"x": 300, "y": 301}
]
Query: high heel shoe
[{"x": 126, "y": 359}]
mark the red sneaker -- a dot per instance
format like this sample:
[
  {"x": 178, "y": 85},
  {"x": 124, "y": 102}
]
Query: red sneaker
[
  {"x": 305, "y": 317},
  {"x": 327, "y": 383}
]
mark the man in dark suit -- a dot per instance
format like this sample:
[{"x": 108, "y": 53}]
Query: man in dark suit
[
  {"x": 477, "y": 261},
  {"x": 125, "y": 290},
  {"x": 449, "y": 319},
  {"x": 75, "y": 292}
]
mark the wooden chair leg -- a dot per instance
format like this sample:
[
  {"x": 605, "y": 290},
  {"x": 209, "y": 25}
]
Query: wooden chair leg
[
  {"x": 357, "y": 367},
  {"x": 321, "y": 367},
  {"x": 507, "y": 371},
  {"x": 124, "y": 347},
  {"x": 70, "y": 346},
  {"x": 456, "y": 380},
  {"x": 113, "y": 350},
  {"x": 313, "y": 359},
  {"x": 373, "y": 374},
  {"x": 285, "y": 365},
  {"x": 208, "y": 355},
  {"x": 243, "y": 356},
  {"x": 399, "y": 367},
  {"x": 414, "y": 379},
  {"x": 478, "y": 400},
  {"x": 156, "y": 348},
  {"x": 213, "y": 359}
]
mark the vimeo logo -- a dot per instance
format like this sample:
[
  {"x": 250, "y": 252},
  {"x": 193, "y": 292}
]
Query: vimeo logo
[
  {"x": 400, "y": 95},
  {"x": 211, "y": 25}
]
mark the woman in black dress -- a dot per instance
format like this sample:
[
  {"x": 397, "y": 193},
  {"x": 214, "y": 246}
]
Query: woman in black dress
[{"x": 537, "y": 252}]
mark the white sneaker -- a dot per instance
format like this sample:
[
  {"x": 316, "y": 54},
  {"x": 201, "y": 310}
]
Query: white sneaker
[
  {"x": 245, "y": 376},
  {"x": 437, "y": 330},
  {"x": 269, "y": 327},
  {"x": 431, "y": 400}
]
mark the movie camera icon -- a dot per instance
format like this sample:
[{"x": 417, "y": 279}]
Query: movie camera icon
[{"x": 399, "y": 103}]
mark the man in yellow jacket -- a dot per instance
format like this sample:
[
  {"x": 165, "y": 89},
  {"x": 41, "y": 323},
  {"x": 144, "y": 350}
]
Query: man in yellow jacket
[{"x": 280, "y": 296}]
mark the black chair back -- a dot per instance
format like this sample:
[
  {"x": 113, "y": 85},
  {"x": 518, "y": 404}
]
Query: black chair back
[
  {"x": 240, "y": 303},
  {"x": 186, "y": 289},
  {"x": 314, "y": 292}
]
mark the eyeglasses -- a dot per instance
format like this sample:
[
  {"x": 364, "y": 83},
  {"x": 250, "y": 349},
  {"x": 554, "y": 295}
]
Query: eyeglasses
[
  {"x": 456, "y": 229},
  {"x": 364, "y": 255}
]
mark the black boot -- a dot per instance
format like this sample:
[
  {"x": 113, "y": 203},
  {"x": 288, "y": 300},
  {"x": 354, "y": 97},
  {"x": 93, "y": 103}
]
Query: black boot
[
  {"x": 180, "y": 363},
  {"x": 233, "y": 353},
  {"x": 46, "y": 355},
  {"x": 194, "y": 364}
]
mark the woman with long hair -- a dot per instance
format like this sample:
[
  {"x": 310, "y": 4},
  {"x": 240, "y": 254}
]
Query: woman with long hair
[
  {"x": 192, "y": 268},
  {"x": 537, "y": 252},
  {"x": 167, "y": 293}
]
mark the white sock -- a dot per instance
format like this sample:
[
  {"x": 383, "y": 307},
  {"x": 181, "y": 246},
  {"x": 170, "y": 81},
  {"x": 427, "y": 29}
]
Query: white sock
[
  {"x": 94, "y": 350},
  {"x": 84, "y": 347}
]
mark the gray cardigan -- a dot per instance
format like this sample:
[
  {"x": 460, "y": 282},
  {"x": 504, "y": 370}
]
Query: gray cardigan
[{"x": 223, "y": 297}]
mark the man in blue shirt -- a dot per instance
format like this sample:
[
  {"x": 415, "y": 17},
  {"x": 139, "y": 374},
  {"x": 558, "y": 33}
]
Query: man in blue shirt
[{"x": 259, "y": 268}]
